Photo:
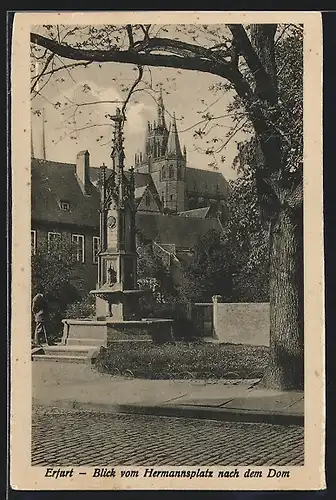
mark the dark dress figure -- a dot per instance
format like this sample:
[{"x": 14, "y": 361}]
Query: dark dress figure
[{"x": 40, "y": 311}]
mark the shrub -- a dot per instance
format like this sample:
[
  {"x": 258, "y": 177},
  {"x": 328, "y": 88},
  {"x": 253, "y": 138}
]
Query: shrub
[
  {"x": 181, "y": 360},
  {"x": 184, "y": 328},
  {"x": 85, "y": 308}
]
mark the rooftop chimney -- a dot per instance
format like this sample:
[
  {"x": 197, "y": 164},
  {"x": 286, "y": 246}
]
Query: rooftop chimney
[{"x": 83, "y": 170}]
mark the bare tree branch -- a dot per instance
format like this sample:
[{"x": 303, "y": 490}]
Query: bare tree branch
[
  {"x": 235, "y": 130},
  {"x": 137, "y": 81},
  {"x": 130, "y": 35},
  {"x": 197, "y": 58},
  {"x": 66, "y": 66},
  {"x": 38, "y": 78},
  {"x": 145, "y": 28}
]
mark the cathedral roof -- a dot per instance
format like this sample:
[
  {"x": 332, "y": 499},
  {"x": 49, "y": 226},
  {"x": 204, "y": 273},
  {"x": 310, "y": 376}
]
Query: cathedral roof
[
  {"x": 139, "y": 192},
  {"x": 206, "y": 182},
  {"x": 170, "y": 229},
  {"x": 196, "y": 212}
]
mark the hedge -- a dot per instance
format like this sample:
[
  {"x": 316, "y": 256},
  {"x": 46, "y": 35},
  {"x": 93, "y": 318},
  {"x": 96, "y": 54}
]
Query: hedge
[{"x": 181, "y": 360}]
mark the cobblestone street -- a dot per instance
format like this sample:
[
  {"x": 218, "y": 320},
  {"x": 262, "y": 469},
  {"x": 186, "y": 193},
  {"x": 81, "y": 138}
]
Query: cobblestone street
[{"x": 77, "y": 437}]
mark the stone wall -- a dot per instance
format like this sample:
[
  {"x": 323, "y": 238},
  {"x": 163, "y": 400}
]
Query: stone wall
[{"x": 241, "y": 323}]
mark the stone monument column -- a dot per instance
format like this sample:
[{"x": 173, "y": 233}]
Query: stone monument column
[{"x": 117, "y": 279}]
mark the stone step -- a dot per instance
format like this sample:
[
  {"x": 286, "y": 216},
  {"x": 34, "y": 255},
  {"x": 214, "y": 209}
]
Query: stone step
[
  {"x": 92, "y": 342},
  {"x": 63, "y": 359},
  {"x": 69, "y": 350},
  {"x": 98, "y": 343}
]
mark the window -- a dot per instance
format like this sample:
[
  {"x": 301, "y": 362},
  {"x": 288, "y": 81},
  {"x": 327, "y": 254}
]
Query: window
[
  {"x": 65, "y": 205},
  {"x": 95, "y": 249},
  {"x": 171, "y": 197},
  {"x": 33, "y": 241},
  {"x": 54, "y": 239},
  {"x": 78, "y": 240}
]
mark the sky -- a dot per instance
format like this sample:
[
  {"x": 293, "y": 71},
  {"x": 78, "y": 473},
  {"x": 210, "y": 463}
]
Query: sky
[{"x": 84, "y": 91}]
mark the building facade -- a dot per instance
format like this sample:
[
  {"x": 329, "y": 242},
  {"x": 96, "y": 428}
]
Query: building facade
[{"x": 176, "y": 203}]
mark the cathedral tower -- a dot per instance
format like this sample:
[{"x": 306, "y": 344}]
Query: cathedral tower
[
  {"x": 173, "y": 173},
  {"x": 163, "y": 159},
  {"x": 155, "y": 142}
]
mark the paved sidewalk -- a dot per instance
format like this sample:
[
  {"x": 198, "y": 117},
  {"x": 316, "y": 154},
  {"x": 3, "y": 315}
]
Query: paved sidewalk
[{"x": 79, "y": 386}]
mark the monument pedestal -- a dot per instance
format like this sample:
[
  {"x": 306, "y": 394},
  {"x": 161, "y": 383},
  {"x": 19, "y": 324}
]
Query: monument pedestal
[{"x": 104, "y": 332}]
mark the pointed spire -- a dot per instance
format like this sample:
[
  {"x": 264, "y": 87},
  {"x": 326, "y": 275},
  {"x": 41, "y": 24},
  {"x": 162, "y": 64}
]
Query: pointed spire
[
  {"x": 161, "y": 111},
  {"x": 173, "y": 147},
  {"x": 146, "y": 149}
]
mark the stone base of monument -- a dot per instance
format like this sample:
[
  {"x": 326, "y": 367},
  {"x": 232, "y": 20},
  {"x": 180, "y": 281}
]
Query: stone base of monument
[
  {"x": 82, "y": 338},
  {"x": 104, "y": 332}
]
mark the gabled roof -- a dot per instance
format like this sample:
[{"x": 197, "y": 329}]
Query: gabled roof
[
  {"x": 140, "y": 178},
  {"x": 139, "y": 192},
  {"x": 53, "y": 182},
  {"x": 169, "y": 229},
  {"x": 201, "y": 213},
  {"x": 206, "y": 182}
]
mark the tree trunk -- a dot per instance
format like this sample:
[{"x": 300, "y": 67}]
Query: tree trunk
[{"x": 286, "y": 365}]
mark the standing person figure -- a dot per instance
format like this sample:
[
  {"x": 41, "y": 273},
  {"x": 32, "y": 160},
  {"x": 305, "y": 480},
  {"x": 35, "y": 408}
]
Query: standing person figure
[{"x": 40, "y": 311}]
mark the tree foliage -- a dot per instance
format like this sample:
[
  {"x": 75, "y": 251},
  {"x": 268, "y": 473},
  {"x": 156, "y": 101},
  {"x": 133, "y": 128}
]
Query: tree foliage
[
  {"x": 209, "y": 272},
  {"x": 247, "y": 237},
  {"x": 154, "y": 274},
  {"x": 52, "y": 269}
]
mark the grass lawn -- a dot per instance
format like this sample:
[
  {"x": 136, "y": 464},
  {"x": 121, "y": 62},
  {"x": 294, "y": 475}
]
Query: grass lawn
[{"x": 182, "y": 360}]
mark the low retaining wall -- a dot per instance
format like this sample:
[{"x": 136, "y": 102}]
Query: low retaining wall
[{"x": 241, "y": 323}]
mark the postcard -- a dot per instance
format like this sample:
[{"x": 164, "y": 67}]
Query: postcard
[{"x": 167, "y": 312}]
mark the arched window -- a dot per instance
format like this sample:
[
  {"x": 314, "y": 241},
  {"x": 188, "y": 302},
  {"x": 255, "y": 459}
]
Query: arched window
[
  {"x": 171, "y": 171},
  {"x": 165, "y": 172}
]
